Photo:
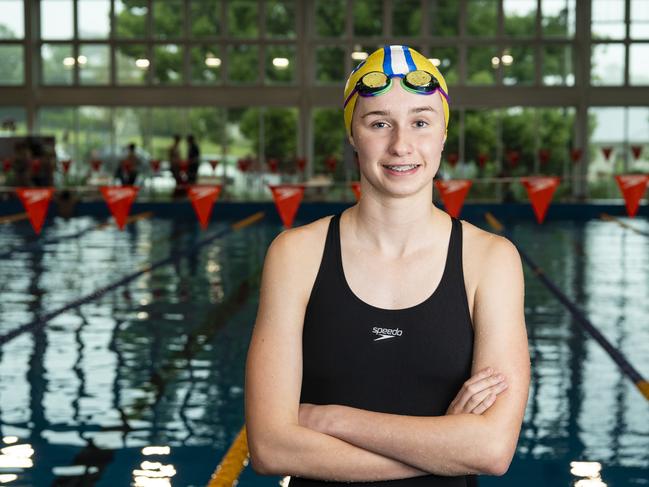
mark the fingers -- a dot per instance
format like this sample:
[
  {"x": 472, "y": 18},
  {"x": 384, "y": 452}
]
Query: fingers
[{"x": 476, "y": 389}]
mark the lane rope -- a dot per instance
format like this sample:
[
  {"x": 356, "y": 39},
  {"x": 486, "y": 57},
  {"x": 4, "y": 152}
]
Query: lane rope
[
  {"x": 173, "y": 256},
  {"x": 626, "y": 367}
]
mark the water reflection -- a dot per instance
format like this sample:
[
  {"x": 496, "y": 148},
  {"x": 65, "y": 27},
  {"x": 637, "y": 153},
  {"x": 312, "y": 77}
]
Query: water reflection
[{"x": 156, "y": 368}]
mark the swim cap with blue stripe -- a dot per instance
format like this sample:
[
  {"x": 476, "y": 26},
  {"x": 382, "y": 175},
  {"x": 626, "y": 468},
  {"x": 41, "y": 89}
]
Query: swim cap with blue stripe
[{"x": 393, "y": 61}]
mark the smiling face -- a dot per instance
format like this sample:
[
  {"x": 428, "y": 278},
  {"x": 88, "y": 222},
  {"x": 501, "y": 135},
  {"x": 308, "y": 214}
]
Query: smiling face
[{"x": 399, "y": 137}]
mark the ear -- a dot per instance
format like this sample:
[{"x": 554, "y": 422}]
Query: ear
[{"x": 350, "y": 138}]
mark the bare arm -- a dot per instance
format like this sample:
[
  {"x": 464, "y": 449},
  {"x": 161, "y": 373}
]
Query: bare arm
[
  {"x": 464, "y": 443},
  {"x": 278, "y": 444}
]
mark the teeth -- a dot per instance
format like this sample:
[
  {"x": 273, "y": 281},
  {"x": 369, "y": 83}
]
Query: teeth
[{"x": 402, "y": 168}]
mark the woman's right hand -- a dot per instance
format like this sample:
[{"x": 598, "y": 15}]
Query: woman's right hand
[{"x": 478, "y": 393}]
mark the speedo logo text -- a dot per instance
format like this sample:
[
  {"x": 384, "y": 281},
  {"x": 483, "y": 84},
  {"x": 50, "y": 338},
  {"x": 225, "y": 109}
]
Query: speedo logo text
[{"x": 384, "y": 333}]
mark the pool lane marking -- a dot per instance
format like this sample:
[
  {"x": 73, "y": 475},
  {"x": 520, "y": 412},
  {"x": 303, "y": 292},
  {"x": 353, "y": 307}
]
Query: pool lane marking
[
  {"x": 610, "y": 218},
  {"x": 235, "y": 460},
  {"x": 173, "y": 256},
  {"x": 13, "y": 218},
  {"x": 579, "y": 316}
]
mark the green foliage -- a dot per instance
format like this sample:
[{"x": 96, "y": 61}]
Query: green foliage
[
  {"x": 329, "y": 136},
  {"x": 330, "y": 17},
  {"x": 242, "y": 18},
  {"x": 407, "y": 18},
  {"x": 280, "y": 136},
  {"x": 368, "y": 18},
  {"x": 205, "y": 18}
]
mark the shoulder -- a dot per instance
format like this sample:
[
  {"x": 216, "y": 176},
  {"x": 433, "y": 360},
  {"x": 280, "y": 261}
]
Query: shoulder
[
  {"x": 487, "y": 255},
  {"x": 295, "y": 254}
]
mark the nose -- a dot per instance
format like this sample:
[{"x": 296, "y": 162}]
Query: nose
[{"x": 400, "y": 145}]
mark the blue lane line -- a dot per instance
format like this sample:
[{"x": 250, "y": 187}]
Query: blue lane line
[
  {"x": 579, "y": 316},
  {"x": 173, "y": 256},
  {"x": 38, "y": 242}
]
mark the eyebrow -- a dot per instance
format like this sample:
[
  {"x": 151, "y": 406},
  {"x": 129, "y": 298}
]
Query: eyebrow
[{"x": 385, "y": 113}]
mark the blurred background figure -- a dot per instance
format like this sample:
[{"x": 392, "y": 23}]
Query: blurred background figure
[
  {"x": 194, "y": 159},
  {"x": 127, "y": 169}
]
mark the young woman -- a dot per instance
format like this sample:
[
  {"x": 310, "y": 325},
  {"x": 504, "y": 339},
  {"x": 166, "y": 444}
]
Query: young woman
[{"x": 390, "y": 342}]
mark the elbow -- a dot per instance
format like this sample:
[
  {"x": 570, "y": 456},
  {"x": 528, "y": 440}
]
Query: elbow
[
  {"x": 498, "y": 461},
  {"x": 260, "y": 459}
]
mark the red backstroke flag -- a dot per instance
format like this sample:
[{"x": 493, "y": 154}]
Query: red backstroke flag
[
  {"x": 287, "y": 200},
  {"x": 35, "y": 202},
  {"x": 356, "y": 188},
  {"x": 453, "y": 193},
  {"x": 119, "y": 200},
  {"x": 203, "y": 198},
  {"x": 540, "y": 190},
  {"x": 633, "y": 187}
]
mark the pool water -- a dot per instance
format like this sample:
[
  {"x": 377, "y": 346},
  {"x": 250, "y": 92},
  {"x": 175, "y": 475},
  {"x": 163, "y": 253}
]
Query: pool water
[{"x": 88, "y": 395}]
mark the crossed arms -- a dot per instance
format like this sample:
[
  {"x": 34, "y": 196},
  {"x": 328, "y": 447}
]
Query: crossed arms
[{"x": 340, "y": 443}]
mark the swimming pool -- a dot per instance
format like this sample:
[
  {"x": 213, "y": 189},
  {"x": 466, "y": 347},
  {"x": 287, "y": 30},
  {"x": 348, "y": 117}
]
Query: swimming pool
[{"x": 158, "y": 361}]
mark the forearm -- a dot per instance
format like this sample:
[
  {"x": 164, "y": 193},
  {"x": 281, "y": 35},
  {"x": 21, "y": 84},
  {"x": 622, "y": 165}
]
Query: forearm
[
  {"x": 444, "y": 445},
  {"x": 302, "y": 452}
]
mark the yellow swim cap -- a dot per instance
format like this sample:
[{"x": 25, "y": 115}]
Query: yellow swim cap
[{"x": 393, "y": 61}]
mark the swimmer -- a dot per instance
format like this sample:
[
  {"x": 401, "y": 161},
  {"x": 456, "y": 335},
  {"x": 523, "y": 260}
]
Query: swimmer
[{"x": 390, "y": 341}]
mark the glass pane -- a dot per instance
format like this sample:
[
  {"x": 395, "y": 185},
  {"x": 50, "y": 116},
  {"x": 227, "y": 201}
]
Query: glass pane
[
  {"x": 558, "y": 68},
  {"x": 208, "y": 125},
  {"x": 482, "y": 17},
  {"x": 94, "y": 63},
  {"x": 607, "y": 125},
  {"x": 607, "y": 64},
  {"x": 328, "y": 137},
  {"x": 165, "y": 123},
  {"x": 330, "y": 17},
  {"x": 59, "y": 122},
  {"x": 280, "y": 64},
  {"x": 168, "y": 64},
  {"x": 12, "y": 23},
  {"x": 639, "y": 129},
  {"x": 57, "y": 64},
  {"x": 445, "y": 58},
  {"x": 168, "y": 19},
  {"x": 330, "y": 64},
  {"x": 132, "y": 64},
  {"x": 519, "y": 130},
  {"x": 56, "y": 19},
  {"x": 406, "y": 18},
  {"x": 480, "y": 139},
  {"x": 280, "y": 144},
  {"x": 520, "y": 17},
  {"x": 131, "y": 127},
  {"x": 556, "y": 128},
  {"x": 518, "y": 65},
  {"x": 243, "y": 131},
  {"x": 639, "y": 19},
  {"x": 558, "y": 18},
  {"x": 130, "y": 19},
  {"x": 368, "y": 18},
  {"x": 13, "y": 121},
  {"x": 205, "y": 65},
  {"x": 243, "y": 20},
  {"x": 205, "y": 18},
  {"x": 243, "y": 63},
  {"x": 480, "y": 69},
  {"x": 638, "y": 66},
  {"x": 360, "y": 53},
  {"x": 444, "y": 18},
  {"x": 11, "y": 65},
  {"x": 280, "y": 18},
  {"x": 94, "y": 19},
  {"x": 95, "y": 134},
  {"x": 608, "y": 19}
]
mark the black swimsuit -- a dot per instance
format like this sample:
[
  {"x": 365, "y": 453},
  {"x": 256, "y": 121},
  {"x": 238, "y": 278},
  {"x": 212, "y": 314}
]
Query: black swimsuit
[{"x": 410, "y": 361}]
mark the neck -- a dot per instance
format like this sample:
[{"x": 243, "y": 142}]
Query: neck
[{"x": 397, "y": 227}]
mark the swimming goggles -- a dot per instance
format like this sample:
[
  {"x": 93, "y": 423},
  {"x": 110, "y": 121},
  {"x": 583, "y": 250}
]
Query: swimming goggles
[{"x": 376, "y": 83}]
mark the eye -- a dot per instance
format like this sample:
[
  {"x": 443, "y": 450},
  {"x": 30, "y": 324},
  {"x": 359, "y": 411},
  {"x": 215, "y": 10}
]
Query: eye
[
  {"x": 421, "y": 123},
  {"x": 379, "y": 125}
]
